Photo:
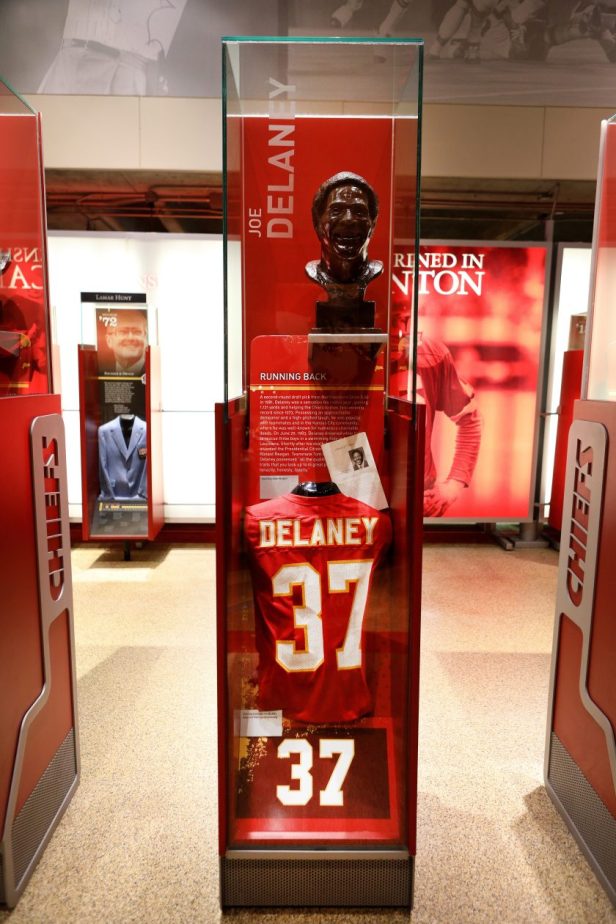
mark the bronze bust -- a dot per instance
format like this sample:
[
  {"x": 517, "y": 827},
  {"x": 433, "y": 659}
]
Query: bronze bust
[{"x": 344, "y": 214}]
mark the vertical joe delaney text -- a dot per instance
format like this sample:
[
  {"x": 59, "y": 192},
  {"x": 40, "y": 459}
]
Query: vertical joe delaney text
[{"x": 281, "y": 150}]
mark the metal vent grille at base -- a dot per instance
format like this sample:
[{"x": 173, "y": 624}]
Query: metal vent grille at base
[
  {"x": 592, "y": 823},
  {"x": 316, "y": 883},
  {"x": 42, "y": 805}
]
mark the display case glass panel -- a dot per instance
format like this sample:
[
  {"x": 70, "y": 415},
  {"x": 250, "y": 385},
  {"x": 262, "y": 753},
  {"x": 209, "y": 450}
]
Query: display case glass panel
[
  {"x": 296, "y": 113},
  {"x": 600, "y": 370},
  {"x": 317, "y": 653},
  {"x": 24, "y": 316}
]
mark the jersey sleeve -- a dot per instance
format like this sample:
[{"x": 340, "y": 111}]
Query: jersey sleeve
[{"x": 456, "y": 396}]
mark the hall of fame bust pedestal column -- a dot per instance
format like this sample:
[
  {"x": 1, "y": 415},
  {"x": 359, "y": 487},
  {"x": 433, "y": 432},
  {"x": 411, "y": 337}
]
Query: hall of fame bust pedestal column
[{"x": 319, "y": 478}]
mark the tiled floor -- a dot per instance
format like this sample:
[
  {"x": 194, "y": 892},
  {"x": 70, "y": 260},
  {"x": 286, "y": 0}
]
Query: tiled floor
[{"x": 138, "y": 842}]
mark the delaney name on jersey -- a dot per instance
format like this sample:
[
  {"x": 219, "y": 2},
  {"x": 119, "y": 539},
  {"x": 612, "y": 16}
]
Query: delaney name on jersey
[{"x": 329, "y": 531}]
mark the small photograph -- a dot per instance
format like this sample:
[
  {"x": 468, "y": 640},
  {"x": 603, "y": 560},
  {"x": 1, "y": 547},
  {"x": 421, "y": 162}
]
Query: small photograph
[
  {"x": 352, "y": 466},
  {"x": 349, "y": 454},
  {"x": 358, "y": 458}
]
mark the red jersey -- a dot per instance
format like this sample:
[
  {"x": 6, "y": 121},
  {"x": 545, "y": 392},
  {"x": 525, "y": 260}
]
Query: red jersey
[
  {"x": 312, "y": 561},
  {"x": 440, "y": 388}
]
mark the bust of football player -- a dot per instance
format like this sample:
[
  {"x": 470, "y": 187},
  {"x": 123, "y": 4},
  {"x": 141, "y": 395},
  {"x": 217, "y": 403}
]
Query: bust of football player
[{"x": 344, "y": 213}]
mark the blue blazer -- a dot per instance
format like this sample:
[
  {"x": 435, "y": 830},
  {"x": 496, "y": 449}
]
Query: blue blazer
[{"x": 122, "y": 468}]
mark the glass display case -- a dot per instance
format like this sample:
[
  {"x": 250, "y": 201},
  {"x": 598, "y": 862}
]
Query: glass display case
[
  {"x": 319, "y": 474},
  {"x": 39, "y": 750},
  {"x": 580, "y": 758},
  {"x": 120, "y": 417}
]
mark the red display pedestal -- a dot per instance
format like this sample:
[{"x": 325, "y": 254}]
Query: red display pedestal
[
  {"x": 370, "y": 839},
  {"x": 39, "y": 761},
  {"x": 580, "y": 766}
]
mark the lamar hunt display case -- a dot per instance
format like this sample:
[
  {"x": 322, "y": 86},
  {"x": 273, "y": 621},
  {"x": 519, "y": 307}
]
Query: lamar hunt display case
[
  {"x": 120, "y": 417},
  {"x": 39, "y": 750},
  {"x": 319, "y": 476},
  {"x": 580, "y": 761}
]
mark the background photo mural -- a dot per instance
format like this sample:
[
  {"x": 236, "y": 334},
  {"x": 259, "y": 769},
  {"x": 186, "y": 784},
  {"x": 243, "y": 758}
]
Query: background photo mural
[
  {"x": 480, "y": 329},
  {"x": 534, "y": 52}
]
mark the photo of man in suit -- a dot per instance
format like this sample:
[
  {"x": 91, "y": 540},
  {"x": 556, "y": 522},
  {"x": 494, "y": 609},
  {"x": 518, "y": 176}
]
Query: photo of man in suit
[
  {"x": 121, "y": 340},
  {"x": 122, "y": 456}
]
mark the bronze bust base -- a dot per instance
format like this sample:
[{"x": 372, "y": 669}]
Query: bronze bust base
[{"x": 339, "y": 316}]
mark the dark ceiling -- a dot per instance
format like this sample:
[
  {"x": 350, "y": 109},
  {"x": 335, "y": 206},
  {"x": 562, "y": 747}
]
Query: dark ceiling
[
  {"x": 191, "y": 203},
  {"x": 117, "y": 200}
]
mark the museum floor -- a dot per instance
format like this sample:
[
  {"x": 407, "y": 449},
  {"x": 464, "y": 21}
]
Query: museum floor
[{"x": 138, "y": 842}]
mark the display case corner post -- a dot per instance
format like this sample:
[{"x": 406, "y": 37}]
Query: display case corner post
[{"x": 222, "y": 514}]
